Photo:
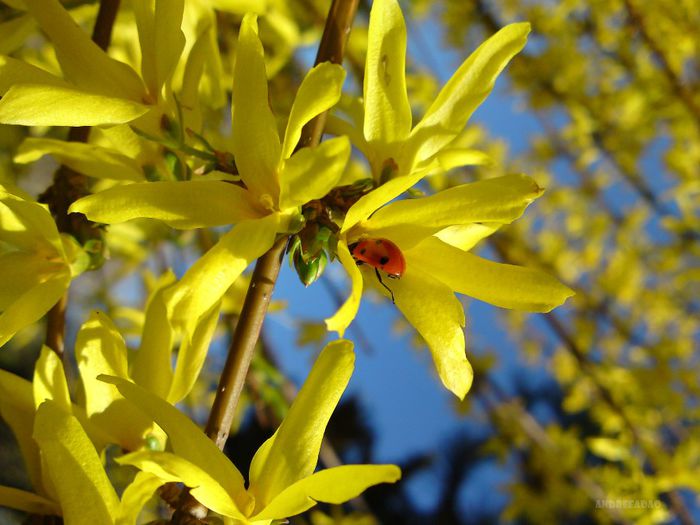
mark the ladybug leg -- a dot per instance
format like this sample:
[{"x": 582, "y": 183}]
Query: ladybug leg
[{"x": 376, "y": 271}]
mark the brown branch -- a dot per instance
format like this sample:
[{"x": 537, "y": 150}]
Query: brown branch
[{"x": 247, "y": 331}]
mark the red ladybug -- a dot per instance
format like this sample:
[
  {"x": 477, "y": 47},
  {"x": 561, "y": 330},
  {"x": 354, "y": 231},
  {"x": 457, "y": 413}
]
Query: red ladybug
[{"x": 380, "y": 254}]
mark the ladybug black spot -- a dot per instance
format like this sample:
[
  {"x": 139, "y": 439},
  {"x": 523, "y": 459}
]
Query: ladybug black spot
[
  {"x": 362, "y": 251},
  {"x": 378, "y": 242},
  {"x": 383, "y": 260}
]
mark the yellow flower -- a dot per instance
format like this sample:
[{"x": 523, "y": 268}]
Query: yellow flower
[
  {"x": 277, "y": 181},
  {"x": 36, "y": 262},
  {"x": 282, "y": 481},
  {"x": 434, "y": 234}
]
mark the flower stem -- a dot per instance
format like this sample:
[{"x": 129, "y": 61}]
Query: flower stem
[{"x": 247, "y": 331}]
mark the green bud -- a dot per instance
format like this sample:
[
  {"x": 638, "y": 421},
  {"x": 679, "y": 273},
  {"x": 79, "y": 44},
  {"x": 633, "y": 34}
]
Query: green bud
[{"x": 309, "y": 271}]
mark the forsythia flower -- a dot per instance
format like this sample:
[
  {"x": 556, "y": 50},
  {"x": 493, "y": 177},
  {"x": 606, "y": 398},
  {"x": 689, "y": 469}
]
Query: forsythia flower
[
  {"x": 36, "y": 262},
  {"x": 277, "y": 180},
  {"x": 282, "y": 481},
  {"x": 399, "y": 153},
  {"x": 435, "y": 269}
]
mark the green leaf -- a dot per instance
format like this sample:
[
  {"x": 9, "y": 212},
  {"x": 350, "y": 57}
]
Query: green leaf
[
  {"x": 437, "y": 315},
  {"x": 319, "y": 91},
  {"x": 256, "y": 144},
  {"x": 292, "y": 452},
  {"x": 46, "y": 105},
  {"x": 387, "y": 110},
  {"x": 184, "y": 205},
  {"x": 503, "y": 285},
  {"x": 465, "y": 91},
  {"x": 84, "y": 492},
  {"x": 335, "y": 485}
]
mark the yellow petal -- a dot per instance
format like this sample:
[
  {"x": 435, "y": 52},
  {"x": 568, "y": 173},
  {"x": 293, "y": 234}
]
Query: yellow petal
[
  {"x": 319, "y": 91},
  {"x": 17, "y": 410},
  {"x": 347, "y": 312},
  {"x": 170, "y": 468},
  {"x": 207, "y": 280},
  {"x": 13, "y": 71},
  {"x": 502, "y": 200},
  {"x": 152, "y": 364},
  {"x": 438, "y": 317},
  {"x": 88, "y": 159},
  {"x": 161, "y": 39},
  {"x": 28, "y": 225},
  {"x": 50, "y": 380},
  {"x": 32, "y": 305},
  {"x": 466, "y": 236},
  {"x": 335, "y": 485},
  {"x": 387, "y": 110},
  {"x": 186, "y": 439},
  {"x": 82, "y": 61},
  {"x": 312, "y": 172},
  {"x": 21, "y": 271},
  {"x": 450, "y": 158},
  {"x": 503, "y": 285},
  {"x": 27, "y": 502},
  {"x": 186, "y": 204},
  {"x": 45, "y": 105},
  {"x": 378, "y": 197},
  {"x": 256, "y": 144},
  {"x": 84, "y": 492},
  {"x": 100, "y": 349},
  {"x": 293, "y": 451},
  {"x": 135, "y": 496},
  {"x": 190, "y": 358},
  {"x": 465, "y": 91}
]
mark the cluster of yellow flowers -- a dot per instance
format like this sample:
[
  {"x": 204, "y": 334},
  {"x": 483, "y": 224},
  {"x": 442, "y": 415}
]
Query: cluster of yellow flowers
[{"x": 129, "y": 400}]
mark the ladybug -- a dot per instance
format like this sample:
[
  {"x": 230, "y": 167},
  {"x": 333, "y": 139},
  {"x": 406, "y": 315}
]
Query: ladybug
[{"x": 380, "y": 254}]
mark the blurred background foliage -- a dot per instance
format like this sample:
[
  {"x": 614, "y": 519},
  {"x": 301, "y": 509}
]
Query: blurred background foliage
[{"x": 602, "y": 404}]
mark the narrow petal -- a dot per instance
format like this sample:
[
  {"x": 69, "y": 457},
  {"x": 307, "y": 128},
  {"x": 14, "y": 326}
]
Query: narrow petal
[
  {"x": 312, "y": 172},
  {"x": 152, "y": 365},
  {"x": 135, "y": 496},
  {"x": 17, "y": 410},
  {"x": 100, "y": 349},
  {"x": 335, "y": 485},
  {"x": 27, "y": 502},
  {"x": 88, "y": 159},
  {"x": 207, "y": 280},
  {"x": 82, "y": 61},
  {"x": 319, "y": 91},
  {"x": 378, "y": 197},
  {"x": 347, "y": 312},
  {"x": 32, "y": 305},
  {"x": 437, "y": 315},
  {"x": 190, "y": 358},
  {"x": 46, "y": 105},
  {"x": 501, "y": 200},
  {"x": 185, "y": 205},
  {"x": 503, "y": 285},
  {"x": 161, "y": 39},
  {"x": 465, "y": 91},
  {"x": 186, "y": 439},
  {"x": 85, "y": 493},
  {"x": 170, "y": 468},
  {"x": 21, "y": 271},
  {"x": 13, "y": 71},
  {"x": 387, "y": 110},
  {"x": 50, "y": 380},
  {"x": 256, "y": 144},
  {"x": 466, "y": 236},
  {"x": 293, "y": 452}
]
